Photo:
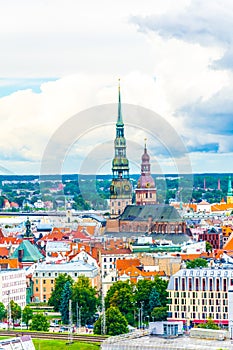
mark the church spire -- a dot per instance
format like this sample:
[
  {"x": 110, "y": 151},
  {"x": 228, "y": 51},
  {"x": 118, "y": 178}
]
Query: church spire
[
  {"x": 229, "y": 191},
  {"x": 119, "y": 118}
]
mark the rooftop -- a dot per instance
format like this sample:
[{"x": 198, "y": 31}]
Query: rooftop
[{"x": 158, "y": 212}]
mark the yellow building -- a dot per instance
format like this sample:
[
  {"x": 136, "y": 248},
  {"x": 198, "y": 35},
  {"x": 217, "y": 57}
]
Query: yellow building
[{"x": 45, "y": 274}]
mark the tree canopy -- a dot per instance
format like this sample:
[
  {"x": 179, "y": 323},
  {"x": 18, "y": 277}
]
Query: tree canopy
[
  {"x": 86, "y": 297},
  {"x": 3, "y": 311},
  {"x": 116, "y": 323},
  {"x": 27, "y": 315},
  {"x": 39, "y": 323},
  {"x": 64, "y": 305},
  {"x": 60, "y": 282},
  {"x": 121, "y": 295},
  {"x": 199, "y": 262}
]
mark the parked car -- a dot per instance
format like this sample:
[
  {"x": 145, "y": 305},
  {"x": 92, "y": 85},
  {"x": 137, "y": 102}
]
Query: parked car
[{"x": 63, "y": 329}]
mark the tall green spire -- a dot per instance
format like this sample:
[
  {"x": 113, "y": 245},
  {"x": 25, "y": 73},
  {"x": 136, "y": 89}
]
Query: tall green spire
[
  {"x": 119, "y": 118},
  {"x": 229, "y": 191}
]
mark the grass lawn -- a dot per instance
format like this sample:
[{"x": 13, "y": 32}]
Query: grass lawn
[{"x": 41, "y": 344}]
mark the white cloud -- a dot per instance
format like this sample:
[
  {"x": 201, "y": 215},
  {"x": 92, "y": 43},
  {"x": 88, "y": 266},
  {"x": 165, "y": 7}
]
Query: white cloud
[{"x": 167, "y": 66}]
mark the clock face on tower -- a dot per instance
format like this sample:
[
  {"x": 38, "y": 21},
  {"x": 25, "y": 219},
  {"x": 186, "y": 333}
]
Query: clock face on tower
[{"x": 127, "y": 188}]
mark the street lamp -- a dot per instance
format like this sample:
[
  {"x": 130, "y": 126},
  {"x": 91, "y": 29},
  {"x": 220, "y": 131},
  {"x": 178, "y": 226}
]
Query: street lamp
[
  {"x": 147, "y": 317},
  {"x": 8, "y": 310},
  {"x": 141, "y": 313}
]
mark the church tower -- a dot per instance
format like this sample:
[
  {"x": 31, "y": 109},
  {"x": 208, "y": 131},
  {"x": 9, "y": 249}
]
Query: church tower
[
  {"x": 146, "y": 190},
  {"x": 121, "y": 188},
  {"x": 229, "y": 191}
]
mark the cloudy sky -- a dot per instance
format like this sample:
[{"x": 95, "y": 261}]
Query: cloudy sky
[{"x": 61, "y": 57}]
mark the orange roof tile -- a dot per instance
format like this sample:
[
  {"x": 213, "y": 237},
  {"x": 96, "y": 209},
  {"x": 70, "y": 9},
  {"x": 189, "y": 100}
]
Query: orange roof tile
[
  {"x": 123, "y": 264},
  {"x": 185, "y": 257},
  {"x": 229, "y": 243},
  {"x": 12, "y": 263},
  {"x": 4, "y": 252},
  {"x": 221, "y": 206}
]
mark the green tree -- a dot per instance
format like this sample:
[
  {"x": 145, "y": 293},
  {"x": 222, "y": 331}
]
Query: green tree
[
  {"x": 154, "y": 298},
  {"x": 116, "y": 323},
  {"x": 3, "y": 311},
  {"x": 60, "y": 282},
  {"x": 39, "y": 323},
  {"x": 121, "y": 295},
  {"x": 27, "y": 315},
  {"x": 86, "y": 297},
  {"x": 208, "y": 247},
  {"x": 159, "y": 313},
  {"x": 161, "y": 286},
  {"x": 199, "y": 262},
  {"x": 65, "y": 298},
  {"x": 209, "y": 324},
  {"x": 15, "y": 311},
  {"x": 142, "y": 295}
]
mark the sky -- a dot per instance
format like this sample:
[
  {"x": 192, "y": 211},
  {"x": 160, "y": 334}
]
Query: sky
[{"x": 60, "y": 59}]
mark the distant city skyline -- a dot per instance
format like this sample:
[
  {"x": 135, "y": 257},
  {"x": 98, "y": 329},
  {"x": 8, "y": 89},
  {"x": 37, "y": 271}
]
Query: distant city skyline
[{"x": 61, "y": 58}]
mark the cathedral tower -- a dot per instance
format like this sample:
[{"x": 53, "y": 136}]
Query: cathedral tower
[
  {"x": 121, "y": 188},
  {"x": 146, "y": 190}
]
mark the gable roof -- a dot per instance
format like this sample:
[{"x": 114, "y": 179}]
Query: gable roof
[
  {"x": 30, "y": 252},
  {"x": 158, "y": 212},
  {"x": 123, "y": 264}
]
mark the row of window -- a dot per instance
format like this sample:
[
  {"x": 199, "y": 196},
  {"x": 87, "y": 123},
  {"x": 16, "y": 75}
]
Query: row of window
[
  {"x": 204, "y": 316},
  {"x": 13, "y": 276},
  {"x": 202, "y": 284},
  {"x": 197, "y": 308},
  {"x": 119, "y": 204},
  {"x": 44, "y": 289},
  {"x": 203, "y": 295},
  {"x": 54, "y": 275}
]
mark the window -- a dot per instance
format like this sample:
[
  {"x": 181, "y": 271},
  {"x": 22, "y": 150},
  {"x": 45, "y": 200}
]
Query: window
[
  {"x": 36, "y": 281},
  {"x": 211, "y": 284},
  {"x": 44, "y": 281},
  {"x": 190, "y": 284},
  {"x": 203, "y": 284},
  {"x": 52, "y": 282},
  {"x": 36, "y": 289},
  {"x": 183, "y": 284},
  {"x": 217, "y": 284},
  {"x": 224, "y": 284},
  {"x": 176, "y": 284},
  {"x": 44, "y": 289},
  {"x": 197, "y": 284}
]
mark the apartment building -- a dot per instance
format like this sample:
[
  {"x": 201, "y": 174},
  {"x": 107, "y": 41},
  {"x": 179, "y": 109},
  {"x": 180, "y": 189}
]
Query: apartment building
[
  {"x": 13, "y": 286},
  {"x": 44, "y": 277},
  {"x": 197, "y": 294}
]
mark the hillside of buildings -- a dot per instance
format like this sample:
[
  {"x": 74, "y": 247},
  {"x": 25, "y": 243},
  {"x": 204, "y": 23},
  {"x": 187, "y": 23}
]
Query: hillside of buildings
[{"x": 83, "y": 192}]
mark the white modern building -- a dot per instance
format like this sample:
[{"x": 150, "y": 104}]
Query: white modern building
[
  {"x": 13, "y": 286},
  {"x": 198, "y": 294}
]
